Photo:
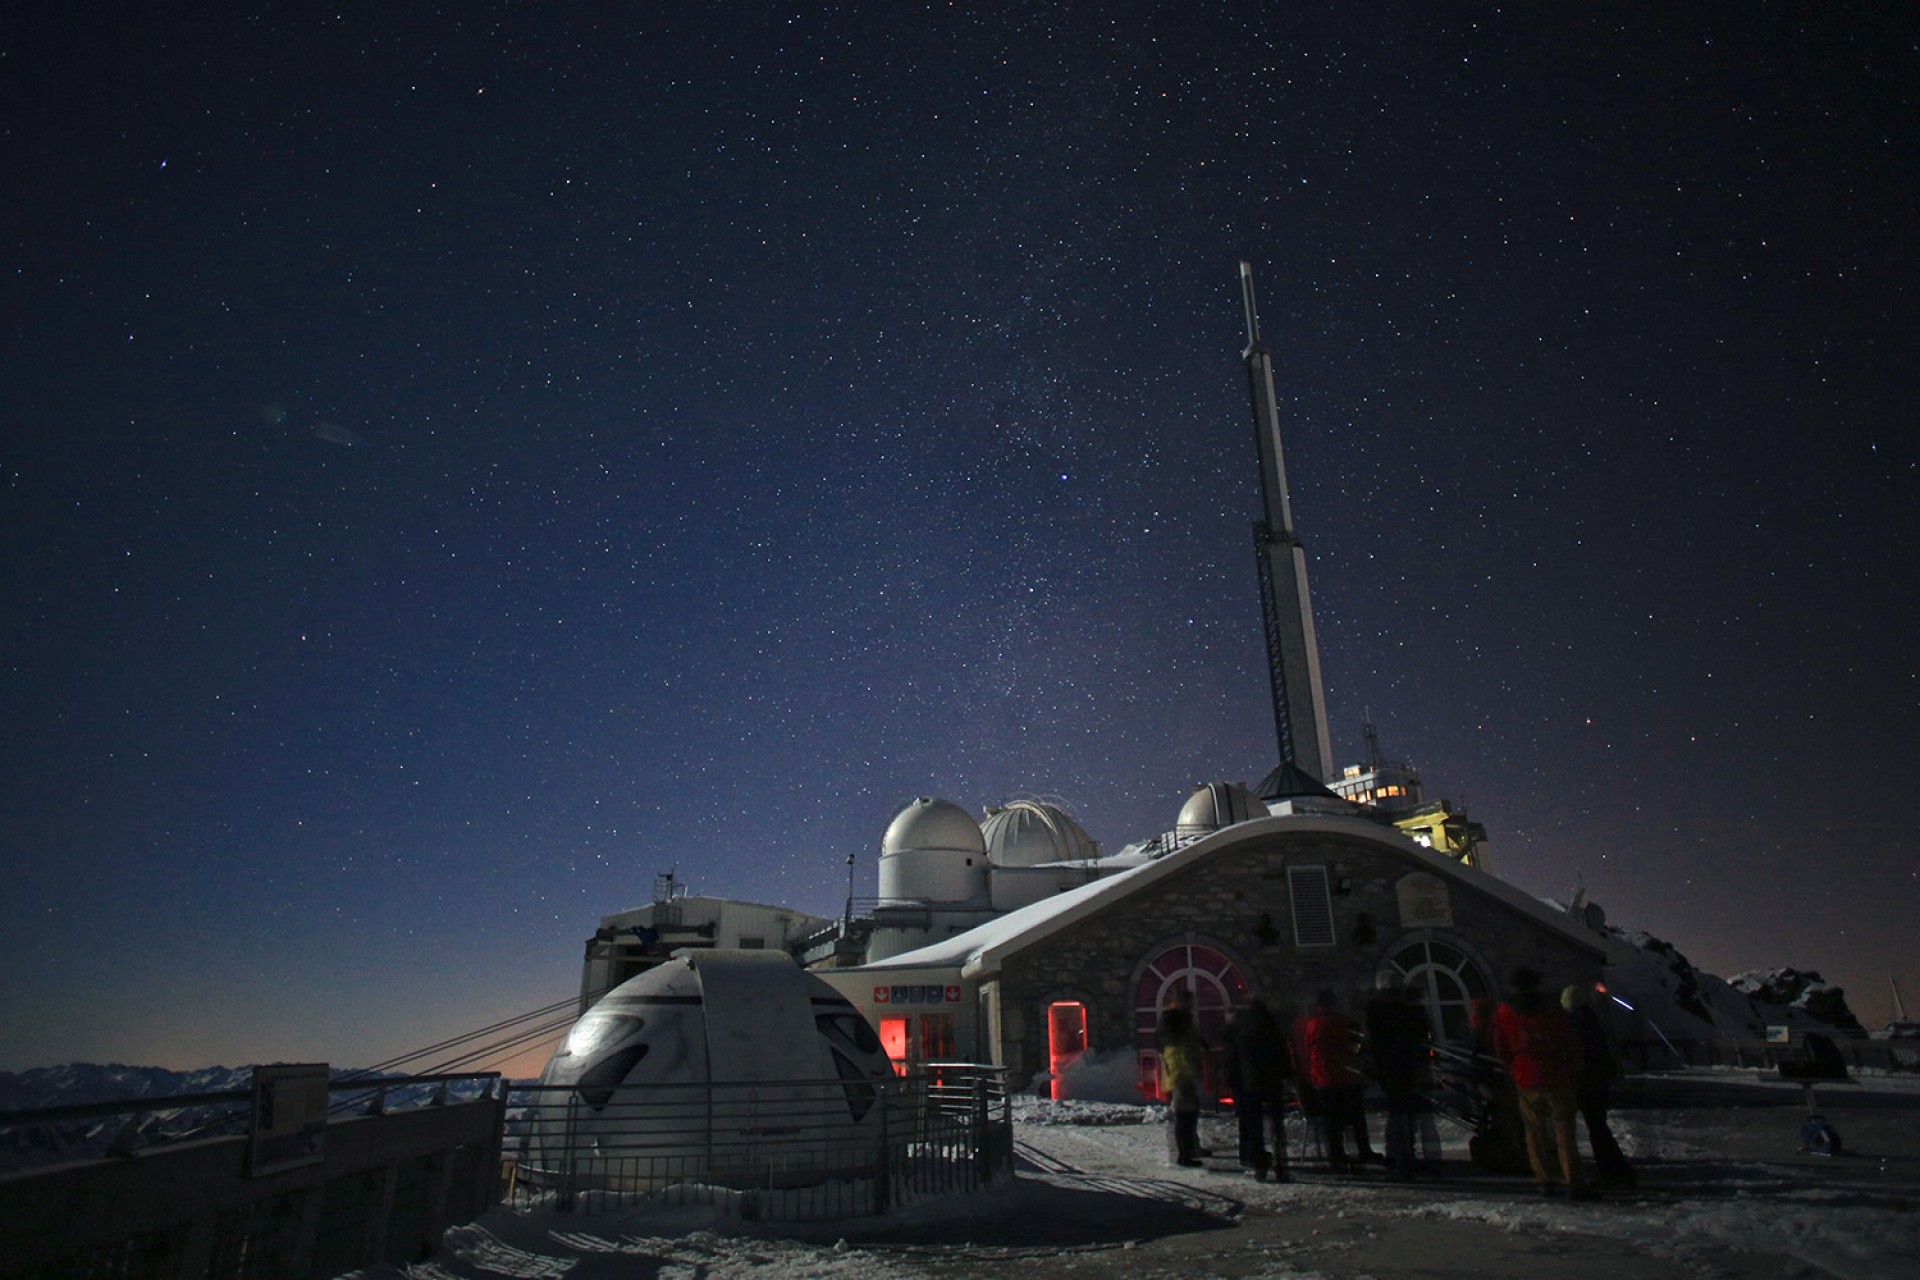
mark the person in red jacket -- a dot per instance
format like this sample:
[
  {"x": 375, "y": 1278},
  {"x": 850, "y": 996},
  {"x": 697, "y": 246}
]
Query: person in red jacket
[
  {"x": 1533, "y": 1039},
  {"x": 1328, "y": 1058}
]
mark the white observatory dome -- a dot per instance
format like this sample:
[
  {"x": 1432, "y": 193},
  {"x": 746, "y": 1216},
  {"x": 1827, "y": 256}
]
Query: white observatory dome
[
  {"x": 720, "y": 1021},
  {"x": 1032, "y": 833},
  {"x": 925, "y": 824},
  {"x": 933, "y": 850},
  {"x": 1214, "y": 805}
]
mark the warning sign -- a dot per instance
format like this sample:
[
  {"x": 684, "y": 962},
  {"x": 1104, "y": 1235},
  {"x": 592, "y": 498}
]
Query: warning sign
[{"x": 923, "y": 993}]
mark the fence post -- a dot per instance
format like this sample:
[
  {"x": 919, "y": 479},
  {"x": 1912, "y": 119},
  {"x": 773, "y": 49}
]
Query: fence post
[
  {"x": 883, "y": 1161},
  {"x": 307, "y": 1235},
  {"x": 439, "y": 1191},
  {"x": 493, "y": 1152},
  {"x": 983, "y": 1158},
  {"x": 379, "y": 1209},
  {"x": 563, "y": 1201}
]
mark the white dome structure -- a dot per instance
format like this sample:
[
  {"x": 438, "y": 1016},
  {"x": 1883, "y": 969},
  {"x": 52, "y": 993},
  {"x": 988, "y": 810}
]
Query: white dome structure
[
  {"x": 1214, "y": 805},
  {"x": 696, "y": 1034},
  {"x": 1032, "y": 833},
  {"x": 933, "y": 851}
]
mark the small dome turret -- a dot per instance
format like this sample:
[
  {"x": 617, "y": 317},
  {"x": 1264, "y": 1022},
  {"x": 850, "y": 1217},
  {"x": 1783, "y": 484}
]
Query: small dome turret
[
  {"x": 933, "y": 850},
  {"x": 1032, "y": 833},
  {"x": 925, "y": 824},
  {"x": 1214, "y": 805}
]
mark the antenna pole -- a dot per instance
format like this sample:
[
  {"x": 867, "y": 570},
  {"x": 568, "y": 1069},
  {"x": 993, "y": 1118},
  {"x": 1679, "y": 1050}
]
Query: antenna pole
[
  {"x": 1293, "y": 655},
  {"x": 1253, "y": 312}
]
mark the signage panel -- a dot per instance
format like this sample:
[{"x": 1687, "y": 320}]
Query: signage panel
[{"x": 289, "y": 1117}]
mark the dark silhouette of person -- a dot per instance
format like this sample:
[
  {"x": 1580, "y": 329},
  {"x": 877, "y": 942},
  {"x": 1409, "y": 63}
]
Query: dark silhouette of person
[
  {"x": 1180, "y": 1070},
  {"x": 1397, "y": 1048},
  {"x": 1257, "y": 1067},
  {"x": 1533, "y": 1038},
  {"x": 1595, "y": 1070},
  {"x": 1329, "y": 1059}
]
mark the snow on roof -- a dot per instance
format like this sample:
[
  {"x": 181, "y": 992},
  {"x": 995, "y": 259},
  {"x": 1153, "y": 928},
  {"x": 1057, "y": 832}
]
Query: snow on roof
[
  {"x": 700, "y": 902},
  {"x": 963, "y": 948},
  {"x": 982, "y": 949}
]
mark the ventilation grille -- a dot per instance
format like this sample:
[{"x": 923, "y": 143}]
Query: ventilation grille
[{"x": 1312, "y": 906}]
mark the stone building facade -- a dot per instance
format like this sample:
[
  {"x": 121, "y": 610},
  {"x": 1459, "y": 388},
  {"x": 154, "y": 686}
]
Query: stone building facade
[{"x": 1281, "y": 907}]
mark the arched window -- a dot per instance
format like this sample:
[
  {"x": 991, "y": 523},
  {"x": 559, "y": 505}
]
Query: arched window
[
  {"x": 1212, "y": 983},
  {"x": 1448, "y": 982}
]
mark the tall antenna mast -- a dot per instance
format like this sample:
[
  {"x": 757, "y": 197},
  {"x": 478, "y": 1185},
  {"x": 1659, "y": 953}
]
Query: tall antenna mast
[{"x": 1293, "y": 655}]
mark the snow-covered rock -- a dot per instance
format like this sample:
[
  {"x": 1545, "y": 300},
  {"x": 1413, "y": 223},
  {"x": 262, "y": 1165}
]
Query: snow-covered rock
[
  {"x": 1660, "y": 997},
  {"x": 1803, "y": 989}
]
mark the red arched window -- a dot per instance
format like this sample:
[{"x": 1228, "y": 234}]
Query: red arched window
[{"x": 1213, "y": 985}]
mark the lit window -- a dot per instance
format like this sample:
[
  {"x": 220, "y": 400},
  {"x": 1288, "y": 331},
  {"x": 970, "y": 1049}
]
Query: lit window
[{"x": 937, "y": 1041}]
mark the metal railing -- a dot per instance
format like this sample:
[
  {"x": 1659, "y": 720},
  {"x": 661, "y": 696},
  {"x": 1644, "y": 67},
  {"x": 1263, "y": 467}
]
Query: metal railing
[
  {"x": 1650, "y": 1053},
  {"x": 775, "y": 1150},
  {"x": 178, "y": 1198},
  {"x": 122, "y": 1126}
]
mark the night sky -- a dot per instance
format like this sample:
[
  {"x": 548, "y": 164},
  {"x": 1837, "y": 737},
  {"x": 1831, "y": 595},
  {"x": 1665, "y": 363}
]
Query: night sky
[{"x": 457, "y": 465}]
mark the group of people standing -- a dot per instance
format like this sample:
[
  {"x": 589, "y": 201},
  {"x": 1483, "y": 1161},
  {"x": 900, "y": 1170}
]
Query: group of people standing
[
  {"x": 1555, "y": 1051},
  {"x": 1556, "y": 1057}
]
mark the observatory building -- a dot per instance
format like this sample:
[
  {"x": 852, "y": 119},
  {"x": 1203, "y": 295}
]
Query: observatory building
[
  {"x": 1234, "y": 902},
  {"x": 631, "y": 942},
  {"x": 704, "y": 1022},
  {"x": 1392, "y": 790},
  {"x": 941, "y": 872},
  {"x": 1013, "y": 939}
]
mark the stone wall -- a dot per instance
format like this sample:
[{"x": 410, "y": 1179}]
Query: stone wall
[{"x": 1236, "y": 900}]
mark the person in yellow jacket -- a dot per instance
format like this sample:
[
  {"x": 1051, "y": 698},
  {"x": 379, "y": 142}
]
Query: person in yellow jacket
[{"x": 1180, "y": 1073}]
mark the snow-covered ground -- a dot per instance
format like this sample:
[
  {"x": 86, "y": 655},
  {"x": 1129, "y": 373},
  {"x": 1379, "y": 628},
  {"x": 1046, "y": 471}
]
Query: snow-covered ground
[{"x": 1724, "y": 1192}]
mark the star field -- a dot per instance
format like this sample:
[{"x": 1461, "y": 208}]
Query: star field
[{"x": 462, "y": 463}]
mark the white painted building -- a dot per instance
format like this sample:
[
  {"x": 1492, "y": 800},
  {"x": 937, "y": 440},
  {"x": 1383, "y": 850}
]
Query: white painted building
[{"x": 631, "y": 942}]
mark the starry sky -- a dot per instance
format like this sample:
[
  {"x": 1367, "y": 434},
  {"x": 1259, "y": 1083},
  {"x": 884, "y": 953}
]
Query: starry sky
[{"x": 458, "y": 464}]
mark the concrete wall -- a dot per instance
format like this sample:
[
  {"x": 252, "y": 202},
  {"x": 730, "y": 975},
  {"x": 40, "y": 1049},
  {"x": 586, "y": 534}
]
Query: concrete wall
[{"x": 391, "y": 1184}]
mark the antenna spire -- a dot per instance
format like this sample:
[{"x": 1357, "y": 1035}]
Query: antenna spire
[
  {"x": 1253, "y": 311},
  {"x": 1293, "y": 656}
]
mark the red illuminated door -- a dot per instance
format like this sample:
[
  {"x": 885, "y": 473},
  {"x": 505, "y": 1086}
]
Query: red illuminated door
[
  {"x": 893, "y": 1038},
  {"x": 1066, "y": 1039}
]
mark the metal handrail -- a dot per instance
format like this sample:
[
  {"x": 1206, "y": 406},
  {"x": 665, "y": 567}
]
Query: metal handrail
[
  {"x": 179, "y": 1101},
  {"x": 852, "y": 1145}
]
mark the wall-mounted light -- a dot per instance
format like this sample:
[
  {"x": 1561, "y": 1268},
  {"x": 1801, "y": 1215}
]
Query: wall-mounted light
[{"x": 1263, "y": 929}]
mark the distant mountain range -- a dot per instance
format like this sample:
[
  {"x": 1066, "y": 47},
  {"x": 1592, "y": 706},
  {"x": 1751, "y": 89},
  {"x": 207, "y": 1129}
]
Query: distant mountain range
[
  {"x": 81, "y": 1082},
  {"x": 1666, "y": 994},
  {"x": 78, "y": 1083}
]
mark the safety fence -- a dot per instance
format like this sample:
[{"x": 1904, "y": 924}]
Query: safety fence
[
  {"x": 769, "y": 1150},
  {"x": 1859, "y": 1054},
  {"x": 183, "y": 1190}
]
